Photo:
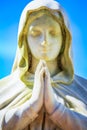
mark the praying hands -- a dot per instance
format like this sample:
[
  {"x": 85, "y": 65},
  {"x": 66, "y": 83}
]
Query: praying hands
[{"x": 42, "y": 91}]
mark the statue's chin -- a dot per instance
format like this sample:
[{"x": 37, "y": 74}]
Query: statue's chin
[
  {"x": 45, "y": 56},
  {"x": 45, "y": 59}
]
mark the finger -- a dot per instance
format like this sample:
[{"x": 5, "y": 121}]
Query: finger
[
  {"x": 47, "y": 78},
  {"x": 47, "y": 85},
  {"x": 42, "y": 72},
  {"x": 47, "y": 73},
  {"x": 39, "y": 66},
  {"x": 44, "y": 63},
  {"x": 39, "y": 81}
]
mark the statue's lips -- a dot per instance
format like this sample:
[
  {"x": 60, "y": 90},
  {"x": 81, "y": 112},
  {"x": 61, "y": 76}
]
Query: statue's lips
[{"x": 44, "y": 50}]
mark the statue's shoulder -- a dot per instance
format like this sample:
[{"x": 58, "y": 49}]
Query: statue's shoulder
[
  {"x": 9, "y": 80},
  {"x": 10, "y": 87},
  {"x": 79, "y": 87},
  {"x": 81, "y": 80}
]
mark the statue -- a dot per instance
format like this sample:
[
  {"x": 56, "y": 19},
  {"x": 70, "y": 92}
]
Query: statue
[{"x": 42, "y": 92}]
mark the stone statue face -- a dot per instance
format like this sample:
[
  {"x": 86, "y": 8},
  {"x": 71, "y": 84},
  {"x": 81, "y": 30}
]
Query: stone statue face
[{"x": 44, "y": 38}]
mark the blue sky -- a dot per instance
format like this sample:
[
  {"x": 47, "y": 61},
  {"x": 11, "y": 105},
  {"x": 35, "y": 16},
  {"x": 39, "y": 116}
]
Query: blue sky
[{"x": 10, "y": 11}]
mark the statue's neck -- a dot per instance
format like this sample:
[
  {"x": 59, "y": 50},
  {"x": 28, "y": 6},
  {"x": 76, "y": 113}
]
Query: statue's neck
[{"x": 52, "y": 66}]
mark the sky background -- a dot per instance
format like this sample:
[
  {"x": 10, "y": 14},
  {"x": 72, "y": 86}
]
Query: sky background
[{"x": 10, "y": 11}]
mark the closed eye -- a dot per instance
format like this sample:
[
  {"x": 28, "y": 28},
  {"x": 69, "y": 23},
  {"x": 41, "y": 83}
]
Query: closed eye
[
  {"x": 53, "y": 33},
  {"x": 35, "y": 33}
]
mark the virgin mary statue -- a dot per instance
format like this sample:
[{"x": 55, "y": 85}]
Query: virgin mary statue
[{"x": 42, "y": 92}]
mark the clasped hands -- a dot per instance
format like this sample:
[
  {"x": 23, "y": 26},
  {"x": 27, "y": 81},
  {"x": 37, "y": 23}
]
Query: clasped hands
[{"x": 42, "y": 94}]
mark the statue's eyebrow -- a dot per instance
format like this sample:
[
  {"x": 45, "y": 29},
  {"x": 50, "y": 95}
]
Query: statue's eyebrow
[
  {"x": 51, "y": 27},
  {"x": 34, "y": 28}
]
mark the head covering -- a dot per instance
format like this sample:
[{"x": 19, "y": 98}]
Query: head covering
[{"x": 23, "y": 56}]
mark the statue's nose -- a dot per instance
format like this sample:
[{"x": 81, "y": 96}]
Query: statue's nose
[
  {"x": 45, "y": 39},
  {"x": 43, "y": 43}
]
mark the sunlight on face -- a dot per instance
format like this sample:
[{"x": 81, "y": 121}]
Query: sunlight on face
[{"x": 44, "y": 38}]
